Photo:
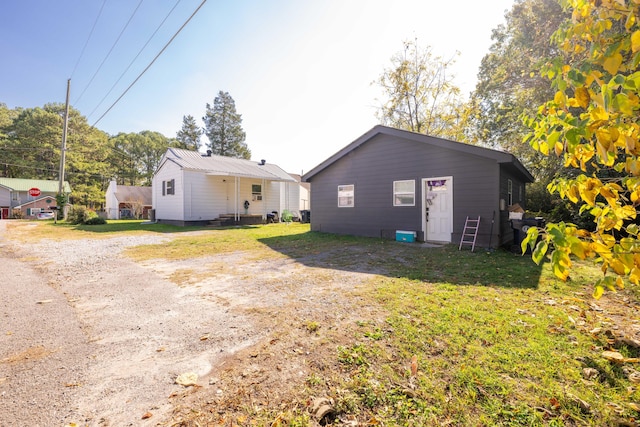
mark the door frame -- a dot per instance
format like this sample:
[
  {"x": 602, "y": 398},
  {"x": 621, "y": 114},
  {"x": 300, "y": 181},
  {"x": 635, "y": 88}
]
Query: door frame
[{"x": 424, "y": 205}]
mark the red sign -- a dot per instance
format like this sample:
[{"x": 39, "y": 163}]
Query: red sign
[{"x": 35, "y": 192}]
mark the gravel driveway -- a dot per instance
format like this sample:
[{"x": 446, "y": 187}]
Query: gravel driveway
[{"x": 92, "y": 338}]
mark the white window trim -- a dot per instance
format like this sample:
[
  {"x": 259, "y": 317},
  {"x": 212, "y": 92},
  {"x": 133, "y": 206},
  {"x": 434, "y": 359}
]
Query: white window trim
[
  {"x": 353, "y": 195},
  {"x": 256, "y": 196},
  {"x": 396, "y": 193}
]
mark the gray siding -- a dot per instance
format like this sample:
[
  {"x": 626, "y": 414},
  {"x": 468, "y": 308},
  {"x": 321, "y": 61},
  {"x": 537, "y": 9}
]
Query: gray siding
[
  {"x": 372, "y": 168},
  {"x": 506, "y": 232}
]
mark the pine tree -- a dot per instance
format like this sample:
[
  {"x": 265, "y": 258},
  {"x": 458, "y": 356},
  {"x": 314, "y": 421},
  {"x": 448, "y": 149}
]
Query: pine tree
[
  {"x": 189, "y": 136},
  {"x": 223, "y": 127}
]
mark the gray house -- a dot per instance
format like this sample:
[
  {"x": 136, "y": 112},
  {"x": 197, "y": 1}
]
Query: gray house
[{"x": 391, "y": 180}]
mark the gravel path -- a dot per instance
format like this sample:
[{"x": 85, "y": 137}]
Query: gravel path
[{"x": 91, "y": 338}]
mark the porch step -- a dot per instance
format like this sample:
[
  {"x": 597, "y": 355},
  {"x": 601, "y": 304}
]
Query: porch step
[{"x": 221, "y": 222}]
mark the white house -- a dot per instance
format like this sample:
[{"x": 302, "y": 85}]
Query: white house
[
  {"x": 190, "y": 188},
  {"x": 127, "y": 201},
  {"x": 305, "y": 193}
]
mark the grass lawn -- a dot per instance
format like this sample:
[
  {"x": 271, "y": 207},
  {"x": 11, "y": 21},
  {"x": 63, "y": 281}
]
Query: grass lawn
[{"x": 484, "y": 339}]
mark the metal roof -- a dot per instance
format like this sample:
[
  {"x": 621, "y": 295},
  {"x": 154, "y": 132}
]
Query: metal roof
[
  {"x": 225, "y": 166},
  {"x": 133, "y": 193},
  {"x": 46, "y": 186}
]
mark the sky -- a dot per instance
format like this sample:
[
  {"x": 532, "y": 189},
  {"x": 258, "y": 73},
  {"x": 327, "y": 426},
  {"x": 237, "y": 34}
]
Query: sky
[{"x": 300, "y": 71}]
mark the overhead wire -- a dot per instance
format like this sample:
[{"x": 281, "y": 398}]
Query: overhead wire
[
  {"x": 88, "y": 38},
  {"x": 134, "y": 59},
  {"x": 152, "y": 61},
  {"x": 110, "y": 51}
]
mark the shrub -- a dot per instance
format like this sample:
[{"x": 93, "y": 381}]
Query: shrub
[
  {"x": 77, "y": 215},
  {"x": 83, "y": 215},
  {"x": 96, "y": 220}
]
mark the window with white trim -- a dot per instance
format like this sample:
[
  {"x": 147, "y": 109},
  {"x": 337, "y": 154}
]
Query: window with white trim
[
  {"x": 169, "y": 187},
  {"x": 256, "y": 192},
  {"x": 404, "y": 193},
  {"x": 346, "y": 196}
]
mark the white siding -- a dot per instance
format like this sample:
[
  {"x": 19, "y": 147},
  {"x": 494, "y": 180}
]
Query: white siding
[
  {"x": 205, "y": 196},
  {"x": 289, "y": 197},
  {"x": 171, "y": 206},
  {"x": 305, "y": 198},
  {"x": 111, "y": 203},
  {"x": 5, "y": 197}
]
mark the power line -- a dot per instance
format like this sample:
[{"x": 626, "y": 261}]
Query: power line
[
  {"x": 88, "y": 38},
  {"x": 110, "y": 50},
  {"x": 134, "y": 59},
  {"x": 151, "y": 63}
]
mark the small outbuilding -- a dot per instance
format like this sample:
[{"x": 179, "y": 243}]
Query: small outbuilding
[
  {"x": 127, "y": 201},
  {"x": 190, "y": 188},
  {"x": 392, "y": 182}
]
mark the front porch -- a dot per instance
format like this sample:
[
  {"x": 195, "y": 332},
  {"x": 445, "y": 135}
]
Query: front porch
[{"x": 225, "y": 220}]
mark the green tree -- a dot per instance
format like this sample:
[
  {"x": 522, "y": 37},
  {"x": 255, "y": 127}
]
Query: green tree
[
  {"x": 223, "y": 127},
  {"x": 593, "y": 123},
  {"x": 30, "y": 148},
  {"x": 420, "y": 95},
  {"x": 135, "y": 156},
  {"x": 510, "y": 84},
  {"x": 189, "y": 135}
]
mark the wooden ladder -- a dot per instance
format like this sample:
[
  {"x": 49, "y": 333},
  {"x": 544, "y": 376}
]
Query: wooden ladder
[{"x": 470, "y": 232}]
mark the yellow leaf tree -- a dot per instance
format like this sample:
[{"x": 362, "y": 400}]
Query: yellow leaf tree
[{"x": 593, "y": 123}]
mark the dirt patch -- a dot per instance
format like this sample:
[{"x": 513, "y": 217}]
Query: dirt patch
[{"x": 117, "y": 334}]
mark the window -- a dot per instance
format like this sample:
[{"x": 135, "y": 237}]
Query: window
[
  {"x": 33, "y": 211},
  {"x": 404, "y": 193},
  {"x": 510, "y": 192},
  {"x": 14, "y": 196},
  {"x": 520, "y": 193},
  {"x": 256, "y": 192},
  {"x": 168, "y": 187},
  {"x": 345, "y": 196}
]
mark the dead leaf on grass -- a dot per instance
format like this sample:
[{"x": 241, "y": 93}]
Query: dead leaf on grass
[
  {"x": 44, "y": 301},
  {"x": 414, "y": 365},
  {"x": 147, "y": 415},
  {"x": 614, "y": 356}
]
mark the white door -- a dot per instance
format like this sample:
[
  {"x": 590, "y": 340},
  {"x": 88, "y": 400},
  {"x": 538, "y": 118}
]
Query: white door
[{"x": 437, "y": 201}]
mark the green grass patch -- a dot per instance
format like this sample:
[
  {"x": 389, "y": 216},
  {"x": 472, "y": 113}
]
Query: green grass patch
[{"x": 498, "y": 340}]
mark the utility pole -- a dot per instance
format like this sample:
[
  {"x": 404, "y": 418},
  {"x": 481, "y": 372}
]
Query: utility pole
[{"x": 63, "y": 149}]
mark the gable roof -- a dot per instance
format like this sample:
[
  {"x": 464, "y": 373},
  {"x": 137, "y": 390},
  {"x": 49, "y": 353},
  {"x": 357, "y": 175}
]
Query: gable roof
[
  {"x": 224, "y": 166},
  {"x": 133, "y": 193},
  {"x": 501, "y": 157},
  {"x": 46, "y": 186}
]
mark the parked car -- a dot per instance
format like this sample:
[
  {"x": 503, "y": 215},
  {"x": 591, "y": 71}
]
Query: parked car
[{"x": 45, "y": 215}]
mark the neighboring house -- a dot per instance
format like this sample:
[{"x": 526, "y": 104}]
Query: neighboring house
[
  {"x": 305, "y": 193},
  {"x": 389, "y": 180},
  {"x": 127, "y": 201},
  {"x": 190, "y": 188},
  {"x": 15, "y": 199}
]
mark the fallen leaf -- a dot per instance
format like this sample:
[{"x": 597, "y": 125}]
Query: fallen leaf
[
  {"x": 204, "y": 337},
  {"x": 414, "y": 365},
  {"x": 147, "y": 415},
  {"x": 187, "y": 379},
  {"x": 44, "y": 301},
  {"x": 634, "y": 406},
  {"x": 614, "y": 356}
]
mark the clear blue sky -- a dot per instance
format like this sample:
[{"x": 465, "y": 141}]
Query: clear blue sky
[{"x": 300, "y": 71}]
